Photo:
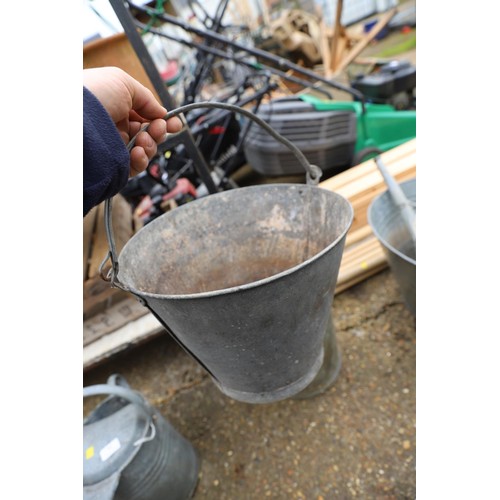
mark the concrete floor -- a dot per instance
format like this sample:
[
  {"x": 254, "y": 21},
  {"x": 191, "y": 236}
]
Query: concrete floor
[{"x": 355, "y": 440}]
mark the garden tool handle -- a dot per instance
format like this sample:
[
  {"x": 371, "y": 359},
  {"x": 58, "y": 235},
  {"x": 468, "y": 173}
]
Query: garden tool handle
[
  {"x": 313, "y": 172},
  {"x": 399, "y": 198}
]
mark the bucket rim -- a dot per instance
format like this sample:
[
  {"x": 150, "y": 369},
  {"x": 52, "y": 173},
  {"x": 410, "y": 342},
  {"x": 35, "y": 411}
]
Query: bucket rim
[
  {"x": 261, "y": 282},
  {"x": 383, "y": 241}
]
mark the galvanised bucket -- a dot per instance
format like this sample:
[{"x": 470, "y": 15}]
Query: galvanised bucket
[
  {"x": 244, "y": 280},
  {"x": 385, "y": 219},
  {"x": 131, "y": 451},
  {"x": 332, "y": 362}
]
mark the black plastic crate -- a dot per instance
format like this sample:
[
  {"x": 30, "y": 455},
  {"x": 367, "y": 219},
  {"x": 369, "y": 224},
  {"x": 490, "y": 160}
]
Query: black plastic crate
[{"x": 326, "y": 138}]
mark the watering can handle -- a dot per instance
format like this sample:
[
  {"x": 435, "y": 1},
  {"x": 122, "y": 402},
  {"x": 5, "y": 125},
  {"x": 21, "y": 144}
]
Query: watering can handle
[
  {"x": 115, "y": 390},
  {"x": 313, "y": 174}
]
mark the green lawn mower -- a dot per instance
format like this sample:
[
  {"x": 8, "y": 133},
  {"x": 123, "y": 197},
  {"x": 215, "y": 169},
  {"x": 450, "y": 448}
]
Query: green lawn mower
[{"x": 334, "y": 135}]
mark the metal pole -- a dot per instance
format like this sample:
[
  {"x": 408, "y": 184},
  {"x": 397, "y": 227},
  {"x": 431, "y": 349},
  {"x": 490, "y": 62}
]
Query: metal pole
[
  {"x": 255, "y": 66},
  {"x": 126, "y": 20},
  {"x": 279, "y": 61}
]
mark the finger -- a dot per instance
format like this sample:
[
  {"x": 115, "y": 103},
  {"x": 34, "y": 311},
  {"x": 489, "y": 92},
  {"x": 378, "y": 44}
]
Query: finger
[
  {"x": 136, "y": 117},
  {"x": 134, "y": 128},
  {"x": 144, "y": 102},
  {"x": 138, "y": 160},
  {"x": 174, "y": 125},
  {"x": 124, "y": 130},
  {"x": 158, "y": 130},
  {"x": 147, "y": 143}
]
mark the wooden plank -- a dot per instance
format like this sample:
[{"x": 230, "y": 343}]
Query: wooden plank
[
  {"x": 345, "y": 284},
  {"x": 360, "y": 203},
  {"x": 338, "y": 32},
  {"x": 98, "y": 295},
  {"x": 361, "y": 259},
  {"x": 266, "y": 17},
  {"x": 358, "y": 251},
  {"x": 363, "y": 268},
  {"x": 351, "y": 175},
  {"x": 363, "y": 254},
  {"x": 100, "y": 247},
  {"x": 394, "y": 155},
  {"x": 132, "y": 334},
  {"x": 374, "y": 181},
  {"x": 358, "y": 257},
  {"x": 325, "y": 49},
  {"x": 122, "y": 222},
  {"x": 362, "y": 44},
  {"x": 112, "y": 319},
  {"x": 363, "y": 199},
  {"x": 343, "y": 46},
  {"x": 357, "y": 235},
  {"x": 88, "y": 232}
]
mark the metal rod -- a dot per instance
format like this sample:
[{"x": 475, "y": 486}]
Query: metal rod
[
  {"x": 203, "y": 67},
  {"x": 252, "y": 65},
  {"x": 399, "y": 198},
  {"x": 142, "y": 52},
  {"x": 149, "y": 66},
  {"x": 280, "y": 61}
]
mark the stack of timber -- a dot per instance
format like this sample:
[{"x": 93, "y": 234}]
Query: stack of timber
[
  {"x": 342, "y": 46},
  {"x": 99, "y": 298},
  {"x": 363, "y": 255},
  {"x": 117, "y": 322}
]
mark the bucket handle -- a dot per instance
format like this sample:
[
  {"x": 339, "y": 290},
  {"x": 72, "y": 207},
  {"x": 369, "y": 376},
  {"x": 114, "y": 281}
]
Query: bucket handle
[{"x": 313, "y": 174}]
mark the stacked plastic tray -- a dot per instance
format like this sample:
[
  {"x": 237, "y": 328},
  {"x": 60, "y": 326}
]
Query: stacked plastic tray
[{"x": 326, "y": 138}]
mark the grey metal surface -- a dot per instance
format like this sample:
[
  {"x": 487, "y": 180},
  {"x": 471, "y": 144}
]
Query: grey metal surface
[
  {"x": 330, "y": 369},
  {"x": 136, "y": 453},
  {"x": 244, "y": 281},
  {"x": 391, "y": 229},
  {"x": 103, "y": 490},
  {"x": 167, "y": 467},
  {"x": 117, "y": 433},
  {"x": 406, "y": 207}
]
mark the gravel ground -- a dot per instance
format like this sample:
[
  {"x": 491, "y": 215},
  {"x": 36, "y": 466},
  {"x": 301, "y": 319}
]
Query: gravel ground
[{"x": 355, "y": 440}]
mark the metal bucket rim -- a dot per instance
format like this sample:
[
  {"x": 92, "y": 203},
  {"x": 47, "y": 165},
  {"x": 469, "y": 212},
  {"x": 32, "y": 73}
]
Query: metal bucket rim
[
  {"x": 383, "y": 241},
  {"x": 252, "y": 284}
]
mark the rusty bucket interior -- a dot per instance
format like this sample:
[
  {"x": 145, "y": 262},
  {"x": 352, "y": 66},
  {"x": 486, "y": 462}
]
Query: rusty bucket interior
[{"x": 218, "y": 245}]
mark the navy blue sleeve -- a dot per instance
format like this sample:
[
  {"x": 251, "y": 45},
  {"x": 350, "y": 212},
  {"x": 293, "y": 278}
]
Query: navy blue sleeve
[{"x": 106, "y": 161}]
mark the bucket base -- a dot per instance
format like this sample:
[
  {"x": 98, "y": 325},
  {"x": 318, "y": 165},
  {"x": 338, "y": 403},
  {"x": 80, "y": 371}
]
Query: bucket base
[
  {"x": 279, "y": 394},
  {"x": 330, "y": 369}
]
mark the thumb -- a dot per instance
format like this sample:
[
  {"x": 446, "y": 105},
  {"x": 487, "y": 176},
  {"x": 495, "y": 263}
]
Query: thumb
[{"x": 144, "y": 102}]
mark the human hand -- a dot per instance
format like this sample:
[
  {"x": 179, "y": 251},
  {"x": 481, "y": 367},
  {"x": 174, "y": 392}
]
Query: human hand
[{"x": 130, "y": 104}]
